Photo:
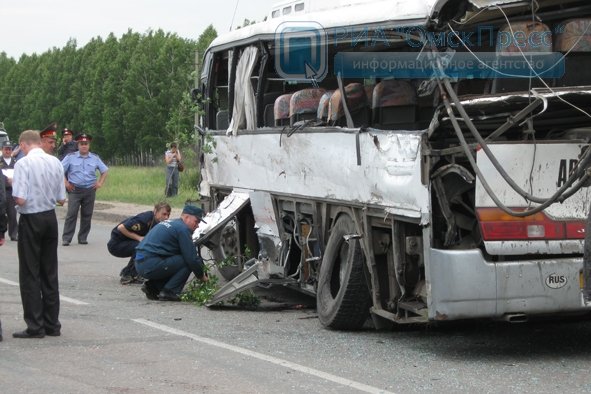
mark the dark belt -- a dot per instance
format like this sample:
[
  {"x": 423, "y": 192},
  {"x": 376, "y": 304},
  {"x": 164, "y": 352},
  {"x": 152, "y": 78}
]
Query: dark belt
[{"x": 80, "y": 187}]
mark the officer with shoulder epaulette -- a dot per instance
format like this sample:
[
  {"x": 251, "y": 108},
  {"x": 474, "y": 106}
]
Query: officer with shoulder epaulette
[
  {"x": 68, "y": 144},
  {"x": 2, "y": 219},
  {"x": 127, "y": 235},
  {"x": 48, "y": 138},
  {"x": 7, "y": 163},
  {"x": 80, "y": 169}
]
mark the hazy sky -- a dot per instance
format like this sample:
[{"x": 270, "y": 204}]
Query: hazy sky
[{"x": 28, "y": 26}]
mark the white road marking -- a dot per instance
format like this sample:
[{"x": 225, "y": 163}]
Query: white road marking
[
  {"x": 273, "y": 360},
  {"x": 8, "y": 282},
  {"x": 72, "y": 300},
  {"x": 63, "y": 298}
]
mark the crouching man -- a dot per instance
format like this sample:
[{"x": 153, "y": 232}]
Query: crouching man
[
  {"x": 167, "y": 256},
  {"x": 127, "y": 235}
]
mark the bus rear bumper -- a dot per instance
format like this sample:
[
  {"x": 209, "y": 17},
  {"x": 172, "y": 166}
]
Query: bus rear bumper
[{"x": 463, "y": 285}]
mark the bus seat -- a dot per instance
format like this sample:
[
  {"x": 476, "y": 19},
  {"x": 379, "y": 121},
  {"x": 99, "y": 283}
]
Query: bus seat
[
  {"x": 369, "y": 91},
  {"x": 322, "y": 113},
  {"x": 303, "y": 104},
  {"x": 574, "y": 37},
  {"x": 269, "y": 116},
  {"x": 394, "y": 104},
  {"x": 568, "y": 37},
  {"x": 221, "y": 120},
  {"x": 268, "y": 104},
  {"x": 281, "y": 110},
  {"x": 357, "y": 104},
  {"x": 528, "y": 37}
]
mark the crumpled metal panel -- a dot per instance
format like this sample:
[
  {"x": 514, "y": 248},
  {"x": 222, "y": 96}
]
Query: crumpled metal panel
[
  {"x": 218, "y": 217},
  {"x": 323, "y": 165},
  {"x": 266, "y": 224},
  {"x": 547, "y": 164}
]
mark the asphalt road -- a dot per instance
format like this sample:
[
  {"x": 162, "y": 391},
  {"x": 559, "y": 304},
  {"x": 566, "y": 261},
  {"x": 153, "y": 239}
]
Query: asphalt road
[{"x": 114, "y": 340}]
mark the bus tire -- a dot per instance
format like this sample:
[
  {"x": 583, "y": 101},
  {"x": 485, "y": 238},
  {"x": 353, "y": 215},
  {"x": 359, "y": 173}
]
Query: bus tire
[
  {"x": 342, "y": 297},
  {"x": 227, "y": 251}
]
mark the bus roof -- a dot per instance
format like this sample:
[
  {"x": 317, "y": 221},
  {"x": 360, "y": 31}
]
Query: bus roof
[{"x": 348, "y": 14}]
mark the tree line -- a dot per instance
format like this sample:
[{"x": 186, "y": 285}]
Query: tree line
[{"x": 130, "y": 93}]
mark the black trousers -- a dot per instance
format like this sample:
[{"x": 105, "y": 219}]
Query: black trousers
[
  {"x": 11, "y": 213},
  {"x": 124, "y": 248},
  {"x": 38, "y": 276}
]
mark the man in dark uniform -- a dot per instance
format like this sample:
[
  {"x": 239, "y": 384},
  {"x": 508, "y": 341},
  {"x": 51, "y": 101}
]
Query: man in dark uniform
[
  {"x": 127, "y": 235},
  {"x": 68, "y": 144},
  {"x": 167, "y": 256},
  {"x": 81, "y": 183},
  {"x": 2, "y": 219},
  {"x": 48, "y": 138},
  {"x": 8, "y": 162}
]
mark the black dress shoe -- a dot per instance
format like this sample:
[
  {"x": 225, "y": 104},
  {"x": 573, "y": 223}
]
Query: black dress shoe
[
  {"x": 150, "y": 292},
  {"x": 65, "y": 243},
  {"x": 83, "y": 242},
  {"x": 14, "y": 239},
  {"x": 167, "y": 295},
  {"x": 28, "y": 334},
  {"x": 53, "y": 333}
]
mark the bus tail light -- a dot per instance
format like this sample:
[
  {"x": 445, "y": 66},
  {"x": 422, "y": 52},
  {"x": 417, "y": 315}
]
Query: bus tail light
[{"x": 497, "y": 225}]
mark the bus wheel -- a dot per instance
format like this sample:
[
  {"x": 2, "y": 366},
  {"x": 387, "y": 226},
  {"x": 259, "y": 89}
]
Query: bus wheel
[
  {"x": 236, "y": 242},
  {"x": 342, "y": 298},
  {"x": 227, "y": 251}
]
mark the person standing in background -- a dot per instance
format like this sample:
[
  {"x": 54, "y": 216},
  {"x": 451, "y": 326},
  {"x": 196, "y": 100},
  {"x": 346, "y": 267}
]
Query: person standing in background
[
  {"x": 172, "y": 157},
  {"x": 81, "y": 183},
  {"x": 2, "y": 218},
  {"x": 8, "y": 163},
  {"x": 68, "y": 144},
  {"x": 38, "y": 185},
  {"x": 48, "y": 138},
  {"x": 17, "y": 153}
]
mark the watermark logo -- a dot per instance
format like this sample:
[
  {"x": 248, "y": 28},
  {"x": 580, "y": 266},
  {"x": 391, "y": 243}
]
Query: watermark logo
[
  {"x": 301, "y": 51},
  {"x": 481, "y": 65}
]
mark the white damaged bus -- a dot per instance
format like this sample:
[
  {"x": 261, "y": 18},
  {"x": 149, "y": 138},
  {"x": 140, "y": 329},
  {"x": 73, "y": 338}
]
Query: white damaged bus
[{"x": 405, "y": 161}]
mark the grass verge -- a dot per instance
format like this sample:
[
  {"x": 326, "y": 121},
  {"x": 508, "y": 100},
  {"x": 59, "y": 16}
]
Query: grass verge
[{"x": 146, "y": 186}]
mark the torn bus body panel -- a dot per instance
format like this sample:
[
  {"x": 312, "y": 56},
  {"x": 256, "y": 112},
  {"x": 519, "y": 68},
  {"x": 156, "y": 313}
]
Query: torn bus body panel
[
  {"x": 220, "y": 216},
  {"x": 389, "y": 174},
  {"x": 267, "y": 231},
  {"x": 256, "y": 273}
]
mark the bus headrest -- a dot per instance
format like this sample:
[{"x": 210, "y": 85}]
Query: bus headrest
[
  {"x": 573, "y": 35},
  {"x": 393, "y": 93}
]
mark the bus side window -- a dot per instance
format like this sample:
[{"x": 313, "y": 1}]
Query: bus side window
[{"x": 219, "y": 99}]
